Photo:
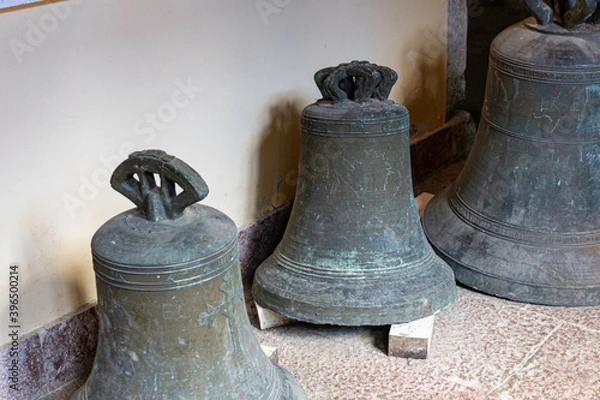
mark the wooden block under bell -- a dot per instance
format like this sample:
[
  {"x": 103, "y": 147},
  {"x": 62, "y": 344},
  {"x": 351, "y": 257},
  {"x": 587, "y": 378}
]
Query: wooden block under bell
[
  {"x": 422, "y": 200},
  {"x": 412, "y": 339},
  {"x": 271, "y": 352},
  {"x": 270, "y": 319}
]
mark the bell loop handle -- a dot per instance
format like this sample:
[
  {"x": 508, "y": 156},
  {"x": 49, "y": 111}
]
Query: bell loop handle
[
  {"x": 570, "y": 14},
  {"x": 136, "y": 179},
  {"x": 358, "y": 81}
]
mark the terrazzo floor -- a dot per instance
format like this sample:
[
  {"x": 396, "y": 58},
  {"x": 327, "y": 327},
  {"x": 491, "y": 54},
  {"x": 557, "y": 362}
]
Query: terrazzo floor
[{"x": 482, "y": 348}]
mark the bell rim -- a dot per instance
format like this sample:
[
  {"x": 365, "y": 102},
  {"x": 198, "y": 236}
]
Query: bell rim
[
  {"x": 485, "y": 277},
  {"x": 492, "y": 285},
  {"x": 312, "y": 308}
]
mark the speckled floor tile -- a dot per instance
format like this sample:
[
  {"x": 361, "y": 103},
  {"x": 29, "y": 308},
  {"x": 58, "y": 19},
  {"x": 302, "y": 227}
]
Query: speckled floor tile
[
  {"x": 585, "y": 317},
  {"x": 478, "y": 343},
  {"x": 567, "y": 366}
]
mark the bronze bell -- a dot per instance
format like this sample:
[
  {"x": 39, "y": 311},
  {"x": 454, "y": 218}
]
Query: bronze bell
[
  {"x": 522, "y": 221},
  {"x": 173, "y": 322},
  {"x": 354, "y": 252}
]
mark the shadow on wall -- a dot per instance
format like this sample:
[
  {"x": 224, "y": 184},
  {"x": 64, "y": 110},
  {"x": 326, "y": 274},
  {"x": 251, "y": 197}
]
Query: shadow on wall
[
  {"x": 275, "y": 186},
  {"x": 47, "y": 359},
  {"x": 419, "y": 101},
  {"x": 421, "y": 95},
  {"x": 278, "y": 157},
  {"x": 42, "y": 251}
]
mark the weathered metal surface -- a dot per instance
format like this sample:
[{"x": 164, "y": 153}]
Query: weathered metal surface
[
  {"x": 522, "y": 220},
  {"x": 354, "y": 252},
  {"x": 173, "y": 322},
  {"x": 568, "y": 13}
]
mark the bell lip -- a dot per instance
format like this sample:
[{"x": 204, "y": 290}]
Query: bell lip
[
  {"x": 284, "y": 385},
  {"x": 289, "y": 386},
  {"x": 484, "y": 278},
  {"x": 294, "y": 302}
]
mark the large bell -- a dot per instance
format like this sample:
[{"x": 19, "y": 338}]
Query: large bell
[
  {"x": 354, "y": 252},
  {"x": 522, "y": 221},
  {"x": 173, "y": 322}
]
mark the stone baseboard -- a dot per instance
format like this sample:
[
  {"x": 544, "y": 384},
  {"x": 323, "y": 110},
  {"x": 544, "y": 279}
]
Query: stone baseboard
[{"x": 52, "y": 356}]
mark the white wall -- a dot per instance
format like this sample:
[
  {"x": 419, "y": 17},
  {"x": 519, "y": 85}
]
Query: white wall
[{"x": 81, "y": 82}]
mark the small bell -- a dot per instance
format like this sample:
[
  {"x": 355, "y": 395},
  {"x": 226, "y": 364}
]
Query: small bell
[
  {"x": 354, "y": 252},
  {"x": 173, "y": 322}
]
